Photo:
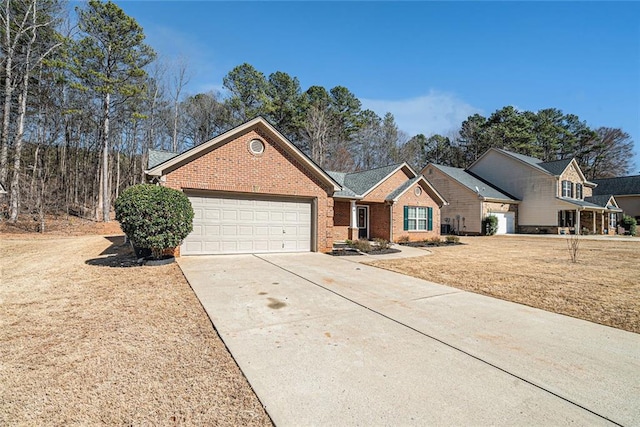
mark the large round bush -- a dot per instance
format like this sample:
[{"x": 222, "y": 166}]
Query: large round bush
[
  {"x": 154, "y": 217},
  {"x": 490, "y": 224}
]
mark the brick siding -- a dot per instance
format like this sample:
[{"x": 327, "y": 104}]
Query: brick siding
[{"x": 232, "y": 167}]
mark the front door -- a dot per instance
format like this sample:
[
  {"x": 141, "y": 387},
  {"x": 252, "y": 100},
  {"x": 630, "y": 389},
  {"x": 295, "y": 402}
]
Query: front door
[{"x": 363, "y": 222}]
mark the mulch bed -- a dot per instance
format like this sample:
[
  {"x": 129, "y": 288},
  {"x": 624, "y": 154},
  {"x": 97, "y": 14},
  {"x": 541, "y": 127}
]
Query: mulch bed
[
  {"x": 353, "y": 252},
  {"x": 428, "y": 244}
]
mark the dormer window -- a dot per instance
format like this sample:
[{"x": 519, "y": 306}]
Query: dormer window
[
  {"x": 579, "y": 191},
  {"x": 567, "y": 189}
]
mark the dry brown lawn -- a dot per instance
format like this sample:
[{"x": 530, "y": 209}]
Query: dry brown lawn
[
  {"x": 84, "y": 339},
  {"x": 603, "y": 286}
]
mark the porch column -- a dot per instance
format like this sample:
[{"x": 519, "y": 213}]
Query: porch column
[
  {"x": 593, "y": 214},
  {"x": 577, "y": 225},
  {"x": 353, "y": 226}
]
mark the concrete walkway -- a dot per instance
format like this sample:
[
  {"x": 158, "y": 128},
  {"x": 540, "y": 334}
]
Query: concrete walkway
[{"x": 324, "y": 341}]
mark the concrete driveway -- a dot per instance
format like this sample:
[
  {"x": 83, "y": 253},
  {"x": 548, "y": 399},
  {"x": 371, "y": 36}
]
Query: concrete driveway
[{"x": 327, "y": 341}]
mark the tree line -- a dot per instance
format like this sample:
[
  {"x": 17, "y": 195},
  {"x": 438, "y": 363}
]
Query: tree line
[{"x": 84, "y": 103}]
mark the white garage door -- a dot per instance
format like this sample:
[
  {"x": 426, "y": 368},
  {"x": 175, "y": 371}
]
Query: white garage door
[
  {"x": 506, "y": 223},
  {"x": 226, "y": 225}
]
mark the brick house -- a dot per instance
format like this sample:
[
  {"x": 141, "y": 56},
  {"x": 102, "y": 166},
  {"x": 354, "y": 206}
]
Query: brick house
[
  {"x": 253, "y": 191},
  {"x": 391, "y": 203}
]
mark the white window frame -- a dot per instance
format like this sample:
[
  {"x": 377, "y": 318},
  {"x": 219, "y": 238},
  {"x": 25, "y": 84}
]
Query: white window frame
[
  {"x": 579, "y": 191},
  {"x": 567, "y": 189},
  {"x": 417, "y": 215}
]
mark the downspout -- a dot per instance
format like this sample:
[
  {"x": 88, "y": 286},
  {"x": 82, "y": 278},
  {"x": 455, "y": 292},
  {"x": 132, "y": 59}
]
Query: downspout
[{"x": 391, "y": 221}]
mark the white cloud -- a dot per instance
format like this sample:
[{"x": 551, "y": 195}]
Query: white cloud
[{"x": 436, "y": 112}]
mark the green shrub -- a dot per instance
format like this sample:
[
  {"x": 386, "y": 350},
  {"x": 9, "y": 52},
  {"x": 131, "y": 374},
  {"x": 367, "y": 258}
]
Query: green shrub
[
  {"x": 362, "y": 245},
  {"x": 452, "y": 239},
  {"x": 154, "y": 217},
  {"x": 382, "y": 243},
  {"x": 630, "y": 224},
  {"x": 490, "y": 225}
]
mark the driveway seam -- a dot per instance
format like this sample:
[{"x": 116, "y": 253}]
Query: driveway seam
[{"x": 443, "y": 342}]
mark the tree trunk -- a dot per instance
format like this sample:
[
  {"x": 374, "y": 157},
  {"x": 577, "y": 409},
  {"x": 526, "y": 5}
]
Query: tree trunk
[
  {"x": 14, "y": 207},
  {"x": 8, "y": 92},
  {"x": 106, "y": 195}
]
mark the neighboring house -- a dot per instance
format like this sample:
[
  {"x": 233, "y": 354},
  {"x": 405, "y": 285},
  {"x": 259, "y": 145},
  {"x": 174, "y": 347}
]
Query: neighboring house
[
  {"x": 471, "y": 199},
  {"x": 252, "y": 191},
  {"x": 392, "y": 203},
  {"x": 555, "y": 197},
  {"x": 625, "y": 189}
]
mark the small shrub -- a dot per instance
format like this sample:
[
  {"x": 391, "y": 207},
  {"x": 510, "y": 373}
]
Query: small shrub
[
  {"x": 573, "y": 245},
  {"x": 630, "y": 225},
  {"x": 434, "y": 241},
  {"x": 490, "y": 225},
  {"x": 154, "y": 217},
  {"x": 403, "y": 239},
  {"x": 382, "y": 243},
  {"x": 452, "y": 239},
  {"x": 362, "y": 245}
]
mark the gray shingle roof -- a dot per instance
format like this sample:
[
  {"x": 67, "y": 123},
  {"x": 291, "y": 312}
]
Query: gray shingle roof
[
  {"x": 601, "y": 200},
  {"x": 589, "y": 204},
  {"x": 555, "y": 168},
  {"x": 339, "y": 178},
  {"x": 157, "y": 156},
  {"x": 473, "y": 182},
  {"x": 395, "y": 193},
  {"x": 623, "y": 185},
  {"x": 358, "y": 183}
]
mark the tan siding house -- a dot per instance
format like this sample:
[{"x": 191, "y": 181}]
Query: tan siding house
[
  {"x": 625, "y": 189},
  {"x": 555, "y": 197},
  {"x": 470, "y": 200}
]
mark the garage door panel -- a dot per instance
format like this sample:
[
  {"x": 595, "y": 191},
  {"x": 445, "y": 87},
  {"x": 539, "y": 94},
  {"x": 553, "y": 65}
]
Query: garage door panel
[
  {"x": 229, "y": 214},
  {"x": 246, "y": 215},
  {"x": 261, "y": 216},
  {"x": 211, "y": 214},
  {"x": 211, "y": 246},
  {"x": 227, "y": 225},
  {"x": 245, "y": 230},
  {"x": 210, "y": 230},
  {"x": 229, "y": 230},
  {"x": 261, "y": 230}
]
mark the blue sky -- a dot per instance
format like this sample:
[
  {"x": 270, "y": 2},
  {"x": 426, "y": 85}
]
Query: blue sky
[{"x": 431, "y": 64}]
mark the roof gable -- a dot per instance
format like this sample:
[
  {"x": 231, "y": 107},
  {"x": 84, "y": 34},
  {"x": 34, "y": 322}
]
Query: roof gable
[
  {"x": 607, "y": 201},
  {"x": 259, "y": 122},
  {"x": 359, "y": 184},
  {"x": 433, "y": 193},
  {"x": 555, "y": 168}
]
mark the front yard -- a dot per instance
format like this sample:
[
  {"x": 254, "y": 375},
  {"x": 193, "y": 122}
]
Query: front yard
[
  {"x": 84, "y": 340},
  {"x": 602, "y": 287}
]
